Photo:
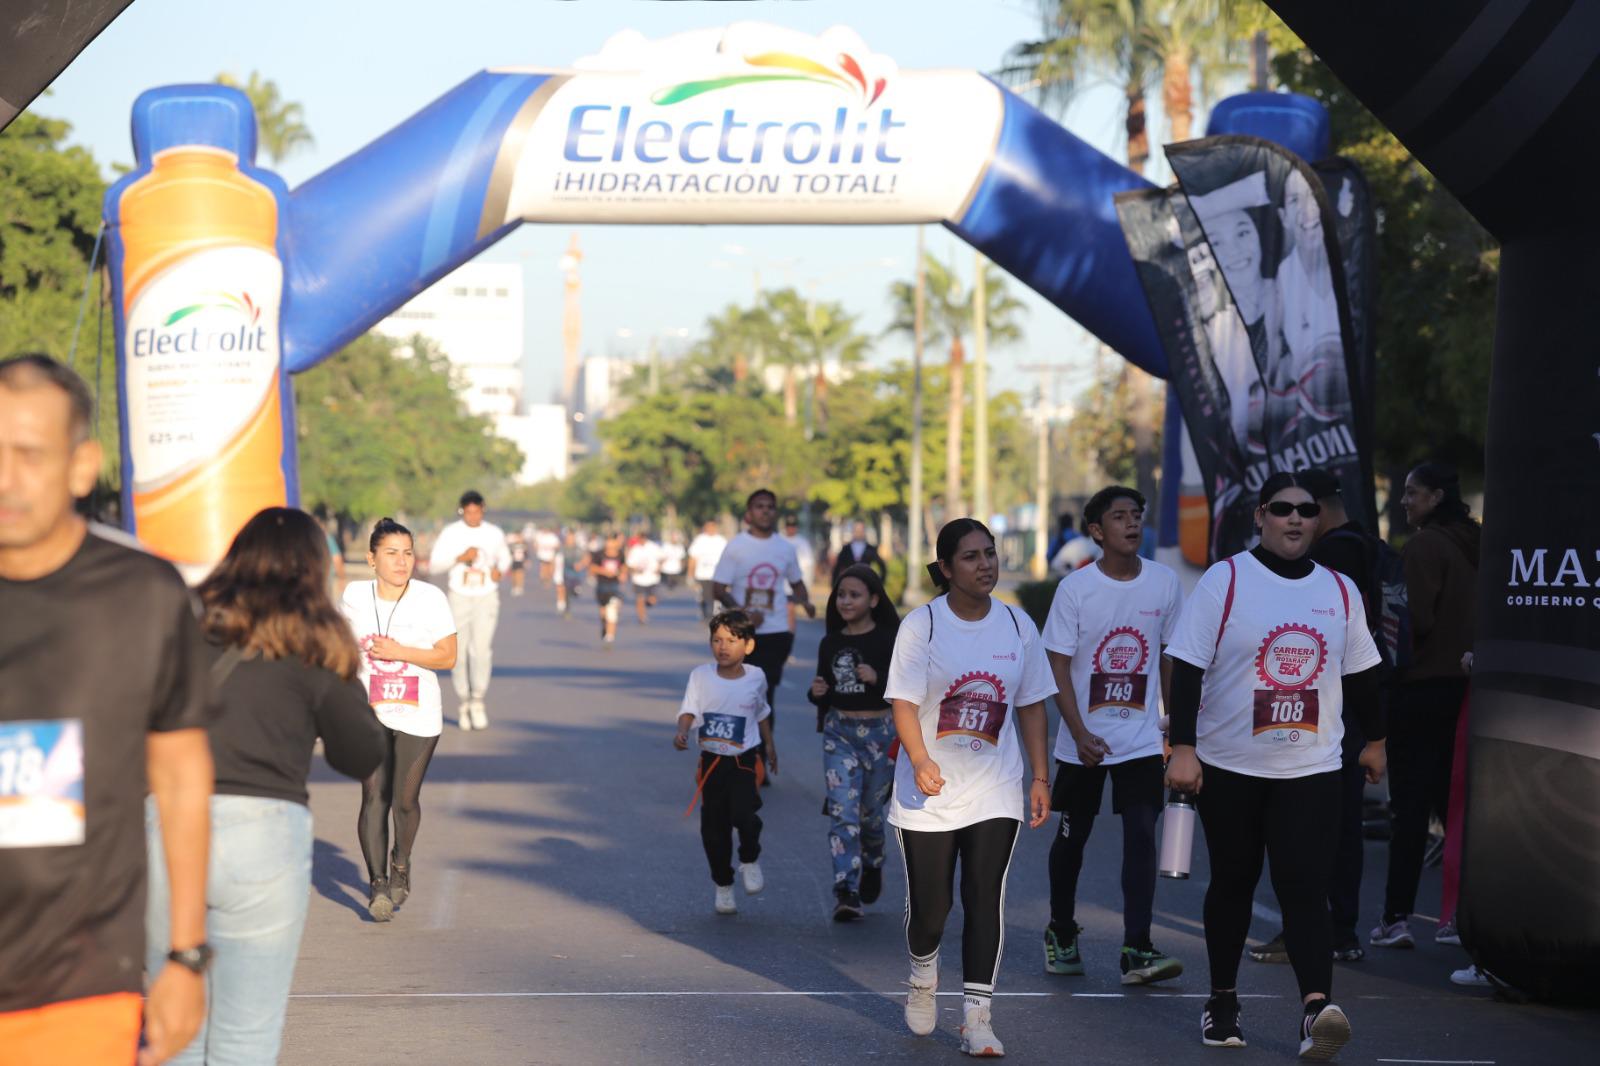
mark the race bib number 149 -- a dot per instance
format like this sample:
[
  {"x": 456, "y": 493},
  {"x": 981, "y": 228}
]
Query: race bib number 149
[{"x": 41, "y": 783}]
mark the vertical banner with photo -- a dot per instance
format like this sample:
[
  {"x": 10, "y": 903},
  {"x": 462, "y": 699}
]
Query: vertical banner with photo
[
  {"x": 1355, "y": 225},
  {"x": 1286, "y": 354},
  {"x": 1192, "y": 312}
]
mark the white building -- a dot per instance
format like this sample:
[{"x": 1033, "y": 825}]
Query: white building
[
  {"x": 474, "y": 314},
  {"x": 541, "y": 433}
]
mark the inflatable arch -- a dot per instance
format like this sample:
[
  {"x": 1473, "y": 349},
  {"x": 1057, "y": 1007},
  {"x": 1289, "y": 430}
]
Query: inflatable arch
[{"x": 225, "y": 283}]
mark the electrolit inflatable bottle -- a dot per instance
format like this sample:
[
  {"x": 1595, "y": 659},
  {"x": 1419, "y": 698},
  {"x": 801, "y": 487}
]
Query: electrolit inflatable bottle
[{"x": 201, "y": 284}]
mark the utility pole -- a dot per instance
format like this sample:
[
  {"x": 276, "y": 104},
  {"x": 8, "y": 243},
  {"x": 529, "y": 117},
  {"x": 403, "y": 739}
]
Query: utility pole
[
  {"x": 1047, "y": 372},
  {"x": 980, "y": 391},
  {"x": 913, "y": 593}
]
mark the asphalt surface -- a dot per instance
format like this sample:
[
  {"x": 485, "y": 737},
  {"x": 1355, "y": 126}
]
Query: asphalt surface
[{"x": 561, "y": 911}]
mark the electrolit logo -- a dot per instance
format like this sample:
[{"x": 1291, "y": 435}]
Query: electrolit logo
[
  {"x": 250, "y": 336},
  {"x": 599, "y": 133},
  {"x": 783, "y": 66}
]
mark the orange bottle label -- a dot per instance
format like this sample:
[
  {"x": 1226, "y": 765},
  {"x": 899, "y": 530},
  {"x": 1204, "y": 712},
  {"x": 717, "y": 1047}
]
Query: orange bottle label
[{"x": 202, "y": 288}]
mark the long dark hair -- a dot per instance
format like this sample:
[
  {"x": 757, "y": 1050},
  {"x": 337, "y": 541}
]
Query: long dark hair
[
  {"x": 884, "y": 616},
  {"x": 269, "y": 595},
  {"x": 1441, "y": 477},
  {"x": 949, "y": 540}
]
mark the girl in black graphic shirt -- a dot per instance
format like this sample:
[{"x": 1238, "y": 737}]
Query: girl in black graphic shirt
[{"x": 857, "y": 728}]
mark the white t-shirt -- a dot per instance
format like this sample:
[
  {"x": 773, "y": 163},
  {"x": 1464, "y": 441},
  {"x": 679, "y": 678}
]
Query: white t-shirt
[
  {"x": 804, "y": 554},
  {"x": 644, "y": 561},
  {"x": 672, "y": 554},
  {"x": 1272, "y": 700},
  {"x": 705, "y": 550},
  {"x": 967, "y": 680},
  {"x": 472, "y": 579},
  {"x": 758, "y": 571},
  {"x": 404, "y": 695},
  {"x": 1114, "y": 631},
  {"x": 726, "y": 713},
  {"x": 545, "y": 543}
]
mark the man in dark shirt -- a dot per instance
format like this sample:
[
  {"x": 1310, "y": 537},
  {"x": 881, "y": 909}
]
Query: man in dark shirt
[
  {"x": 858, "y": 551},
  {"x": 104, "y": 696},
  {"x": 1346, "y": 547}
]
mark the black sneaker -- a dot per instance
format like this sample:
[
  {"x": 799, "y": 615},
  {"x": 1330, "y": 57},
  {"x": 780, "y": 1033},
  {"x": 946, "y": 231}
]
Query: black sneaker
[
  {"x": 1272, "y": 951},
  {"x": 871, "y": 884},
  {"x": 1219, "y": 1022},
  {"x": 1347, "y": 947},
  {"x": 847, "y": 908},
  {"x": 379, "y": 903},
  {"x": 1323, "y": 1032},
  {"x": 399, "y": 881}
]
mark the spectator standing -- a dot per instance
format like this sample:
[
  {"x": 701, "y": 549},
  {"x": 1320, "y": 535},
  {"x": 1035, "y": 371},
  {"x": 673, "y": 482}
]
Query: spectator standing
[{"x": 858, "y": 552}]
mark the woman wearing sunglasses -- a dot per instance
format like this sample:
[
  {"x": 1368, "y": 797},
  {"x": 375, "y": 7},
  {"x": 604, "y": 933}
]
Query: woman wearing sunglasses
[{"x": 1269, "y": 650}]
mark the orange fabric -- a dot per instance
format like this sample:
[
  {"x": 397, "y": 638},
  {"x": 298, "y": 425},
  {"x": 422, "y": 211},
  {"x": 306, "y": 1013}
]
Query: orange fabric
[{"x": 97, "y": 1031}]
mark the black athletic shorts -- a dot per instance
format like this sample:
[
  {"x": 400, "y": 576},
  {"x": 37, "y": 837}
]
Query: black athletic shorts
[
  {"x": 605, "y": 591},
  {"x": 1078, "y": 789}
]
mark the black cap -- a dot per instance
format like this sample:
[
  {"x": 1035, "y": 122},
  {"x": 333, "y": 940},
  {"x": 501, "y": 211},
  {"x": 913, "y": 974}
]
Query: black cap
[{"x": 1321, "y": 484}]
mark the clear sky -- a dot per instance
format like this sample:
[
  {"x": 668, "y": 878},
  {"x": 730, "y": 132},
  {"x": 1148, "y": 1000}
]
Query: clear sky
[{"x": 362, "y": 66}]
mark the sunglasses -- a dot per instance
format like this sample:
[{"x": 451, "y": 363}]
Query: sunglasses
[{"x": 1283, "y": 509}]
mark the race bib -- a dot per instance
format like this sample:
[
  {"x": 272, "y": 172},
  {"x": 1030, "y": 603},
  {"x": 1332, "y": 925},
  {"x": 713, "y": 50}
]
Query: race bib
[
  {"x": 1119, "y": 681},
  {"x": 972, "y": 714},
  {"x": 393, "y": 688},
  {"x": 41, "y": 783},
  {"x": 473, "y": 578},
  {"x": 760, "y": 599},
  {"x": 722, "y": 734},
  {"x": 1287, "y": 715}
]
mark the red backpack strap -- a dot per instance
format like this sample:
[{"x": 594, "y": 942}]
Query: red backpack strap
[
  {"x": 1344, "y": 593},
  {"x": 1227, "y": 603}
]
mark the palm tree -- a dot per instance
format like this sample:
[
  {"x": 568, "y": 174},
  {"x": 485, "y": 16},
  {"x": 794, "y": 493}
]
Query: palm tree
[
  {"x": 949, "y": 317},
  {"x": 816, "y": 334},
  {"x": 280, "y": 124}
]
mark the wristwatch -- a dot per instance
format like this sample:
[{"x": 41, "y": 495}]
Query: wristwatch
[{"x": 196, "y": 960}]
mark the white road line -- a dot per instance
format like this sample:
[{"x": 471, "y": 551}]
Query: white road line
[
  {"x": 1265, "y": 913},
  {"x": 626, "y": 995},
  {"x": 1445, "y": 1062}
]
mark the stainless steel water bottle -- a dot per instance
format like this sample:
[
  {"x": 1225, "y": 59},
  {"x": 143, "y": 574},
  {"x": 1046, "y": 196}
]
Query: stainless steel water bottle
[{"x": 1177, "y": 835}]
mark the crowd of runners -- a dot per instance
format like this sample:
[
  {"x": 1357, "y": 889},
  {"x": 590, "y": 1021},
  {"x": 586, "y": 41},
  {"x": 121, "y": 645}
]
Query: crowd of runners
[{"x": 182, "y": 757}]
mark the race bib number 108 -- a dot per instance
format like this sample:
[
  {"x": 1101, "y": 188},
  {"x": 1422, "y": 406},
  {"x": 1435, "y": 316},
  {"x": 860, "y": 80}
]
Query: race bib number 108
[{"x": 41, "y": 783}]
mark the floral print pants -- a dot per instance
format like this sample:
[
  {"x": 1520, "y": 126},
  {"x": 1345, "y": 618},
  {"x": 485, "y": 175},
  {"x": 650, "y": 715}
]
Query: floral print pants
[{"x": 859, "y": 773}]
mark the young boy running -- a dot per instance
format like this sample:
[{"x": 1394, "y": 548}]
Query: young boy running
[
  {"x": 726, "y": 703},
  {"x": 1107, "y": 627}
]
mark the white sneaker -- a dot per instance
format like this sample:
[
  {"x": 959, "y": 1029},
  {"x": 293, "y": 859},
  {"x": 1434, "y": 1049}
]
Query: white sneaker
[
  {"x": 464, "y": 716},
  {"x": 480, "y": 717},
  {"x": 977, "y": 1035},
  {"x": 725, "y": 901},
  {"x": 1471, "y": 977},
  {"x": 922, "y": 1009},
  {"x": 751, "y": 873}
]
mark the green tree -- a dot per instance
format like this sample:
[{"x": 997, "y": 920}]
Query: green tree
[
  {"x": 281, "y": 129},
  {"x": 811, "y": 336},
  {"x": 381, "y": 431},
  {"x": 50, "y": 195},
  {"x": 1103, "y": 427},
  {"x": 949, "y": 318}
]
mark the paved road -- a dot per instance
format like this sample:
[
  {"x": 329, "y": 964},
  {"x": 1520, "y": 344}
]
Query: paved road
[{"x": 562, "y": 911}]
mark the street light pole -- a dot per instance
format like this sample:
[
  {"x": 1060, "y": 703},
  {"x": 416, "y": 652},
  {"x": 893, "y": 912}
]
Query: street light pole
[
  {"x": 914, "y": 511},
  {"x": 980, "y": 390}
]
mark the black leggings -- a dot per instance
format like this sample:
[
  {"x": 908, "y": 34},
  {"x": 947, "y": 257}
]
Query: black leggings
[
  {"x": 985, "y": 853},
  {"x": 770, "y": 654},
  {"x": 1422, "y": 744},
  {"x": 1295, "y": 822},
  {"x": 395, "y": 785}
]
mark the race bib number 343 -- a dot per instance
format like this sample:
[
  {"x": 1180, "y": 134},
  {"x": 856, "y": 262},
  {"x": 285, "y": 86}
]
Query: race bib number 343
[{"x": 41, "y": 783}]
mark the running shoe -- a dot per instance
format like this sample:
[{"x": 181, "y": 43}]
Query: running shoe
[
  {"x": 871, "y": 883},
  {"x": 379, "y": 903},
  {"x": 725, "y": 902},
  {"x": 1323, "y": 1033},
  {"x": 1395, "y": 934},
  {"x": 1146, "y": 966},
  {"x": 1062, "y": 959},
  {"x": 750, "y": 873},
  {"x": 1448, "y": 933},
  {"x": 1273, "y": 950},
  {"x": 1219, "y": 1022},
  {"x": 922, "y": 1009},
  {"x": 480, "y": 717},
  {"x": 1347, "y": 947},
  {"x": 847, "y": 907},
  {"x": 464, "y": 716},
  {"x": 977, "y": 1035},
  {"x": 399, "y": 881},
  {"x": 1471, "y": 977}
]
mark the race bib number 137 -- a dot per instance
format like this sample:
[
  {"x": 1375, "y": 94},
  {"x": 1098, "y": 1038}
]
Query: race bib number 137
[{"x": 41, "y": 783}]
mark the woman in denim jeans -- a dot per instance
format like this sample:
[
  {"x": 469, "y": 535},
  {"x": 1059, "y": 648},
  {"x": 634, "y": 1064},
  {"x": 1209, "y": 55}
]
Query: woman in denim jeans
[{"x": 285, "y": 663}]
